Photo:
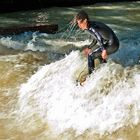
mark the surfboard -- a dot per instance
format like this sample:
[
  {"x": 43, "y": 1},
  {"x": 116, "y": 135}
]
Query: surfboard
[{"x": 81, "y": 75}]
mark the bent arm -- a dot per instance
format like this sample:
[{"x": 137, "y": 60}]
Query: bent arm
[
  {"x": 92, "y": 44},
  {"x": 98, "y": 37}
]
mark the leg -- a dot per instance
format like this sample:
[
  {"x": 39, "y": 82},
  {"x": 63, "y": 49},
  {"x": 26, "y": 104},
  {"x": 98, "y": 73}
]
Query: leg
[
  {"x": 98, "y": 54},
  {"x": 91, "y": 64}
]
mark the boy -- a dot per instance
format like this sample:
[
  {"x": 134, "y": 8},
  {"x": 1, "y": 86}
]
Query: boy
[{"x": 104, "y": 35}]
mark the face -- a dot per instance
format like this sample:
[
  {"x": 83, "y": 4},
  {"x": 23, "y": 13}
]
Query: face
[{"x": 82, "y": 24}]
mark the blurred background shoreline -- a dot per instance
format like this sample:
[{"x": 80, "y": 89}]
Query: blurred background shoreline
[{"x": 18, "y": 5}]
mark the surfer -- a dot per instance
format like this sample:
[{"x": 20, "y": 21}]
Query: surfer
[{"x": 105, "y": 41}]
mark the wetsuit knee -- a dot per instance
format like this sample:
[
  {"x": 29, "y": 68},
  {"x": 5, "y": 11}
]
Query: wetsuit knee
[{"x": 112, "y": 49}]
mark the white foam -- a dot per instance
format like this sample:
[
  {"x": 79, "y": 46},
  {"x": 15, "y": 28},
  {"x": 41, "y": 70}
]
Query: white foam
[
  {"x": 9, "y": 43},
  {"x": 108, "y": 100},
  {"x": 62, "y": 43}
]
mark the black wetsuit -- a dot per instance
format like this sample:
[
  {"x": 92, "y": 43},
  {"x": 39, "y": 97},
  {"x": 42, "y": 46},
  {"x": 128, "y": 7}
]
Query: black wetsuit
[{"x": 106, "y": 39}]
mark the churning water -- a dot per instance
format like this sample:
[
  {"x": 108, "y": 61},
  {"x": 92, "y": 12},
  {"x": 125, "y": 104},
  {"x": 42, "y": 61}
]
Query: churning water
[{"x": 40, "y": 99}]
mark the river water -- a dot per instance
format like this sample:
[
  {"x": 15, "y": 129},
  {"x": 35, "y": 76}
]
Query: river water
[{"x": 39, "y": 96}]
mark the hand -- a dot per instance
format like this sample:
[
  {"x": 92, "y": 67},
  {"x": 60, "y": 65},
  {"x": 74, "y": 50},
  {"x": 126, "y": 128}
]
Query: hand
[
  {"x": 86, "y": 51},
  {"x": 104, "y": 54}
]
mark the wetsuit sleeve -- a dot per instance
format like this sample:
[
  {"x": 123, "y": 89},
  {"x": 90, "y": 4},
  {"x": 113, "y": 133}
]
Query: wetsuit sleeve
[
  {"x": 98, "y": 37},
  {"x": 93, "y": 43}
]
